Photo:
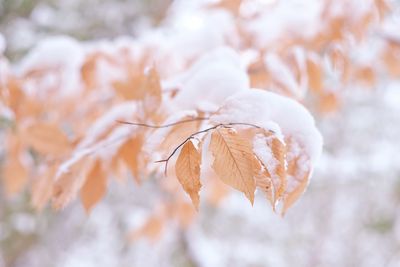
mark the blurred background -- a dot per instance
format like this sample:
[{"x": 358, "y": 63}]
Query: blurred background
[{"x": 349, "y": 215}]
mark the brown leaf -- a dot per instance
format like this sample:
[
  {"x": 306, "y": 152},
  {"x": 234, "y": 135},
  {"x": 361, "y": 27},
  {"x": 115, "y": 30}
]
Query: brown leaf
[
  {"x": 294, "y": 195},
  {"x": 42, "y": 188},
  {"x": 46, "y": 138},
  {"x": 187, "y": 170},
  {"x": 15, "y": 175},
  {"x": 129, "y": 153},
  {"x": 279, "y": 151},
  {"x": 277, "y": 170},
  {"x": 328, "y": 102},
  {"x": 229, "y": 5},
  {"x": 69, "y": 183},
  {"x": 298, "y": 172},
  {"x": 258, "y": 74},
  {"x": 95, "y": 186},
  {"x": 153, "y": 95},
  {"x": 151, "y": 229},
  {"x": 233, "y": 160},
  {"x": 264, "y": 182},
  {"x": 128, "y": 89},
  {"x": 315, "y": 76},
  {"x": 178, "y": 134}
]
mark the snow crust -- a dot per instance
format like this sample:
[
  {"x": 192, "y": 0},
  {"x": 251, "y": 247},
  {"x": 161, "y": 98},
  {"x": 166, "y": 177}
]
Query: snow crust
[{"x": 267, "y": 109}]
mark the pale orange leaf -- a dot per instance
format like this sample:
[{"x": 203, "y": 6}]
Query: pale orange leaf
[
  {"x": 179, "y": 133},
  {"x": 46, "y": 138},
  {"x": 69, "y": 183},
  {"x": 187, "y": 170},
  {"x": 15, "y": 175},
  {"x": 94, "y": 187},
  {"x": 151, "y": 229},
  {"x": 42, "y": 188},
  {"x": 129, "y": 153},
  {"x": 233, "y": 160}
]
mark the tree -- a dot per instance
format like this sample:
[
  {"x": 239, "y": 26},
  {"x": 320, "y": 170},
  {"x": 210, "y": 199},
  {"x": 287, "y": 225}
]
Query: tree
[{"x": 79, "y": 114}]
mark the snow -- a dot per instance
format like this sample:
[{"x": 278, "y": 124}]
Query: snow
[
  {"x": 262, "y": 148},
  {"x": 123, "y": 112},
  {"x": 59, "y": 53},
  {"x": 212, "y": 78},
  {"x": 284, "y": 17},
  {"x": 280, "y": 71},
  {"x": 263, "y": 108},
  {"x": 2, "y": 44}
]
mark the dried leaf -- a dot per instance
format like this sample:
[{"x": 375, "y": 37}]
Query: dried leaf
[
  {"x": 315, "y": 76},
  {"x": 42, "y": 188},
  {"x": 131, "y": 88},
  {"x": 151, "y": 229},
  {"x": 279, "y": 151},
  {"x": 185, "y": 214},
  {"x": 233, "y": 160},
  {"x": 129, "y": 153},
  {"x": 187, "y": 170},
  {"x": 69, "y": 182},
  {"x": 178, "y": 134},
  {"x": 95, "y": 187},
  {"x": 264, "y": 182},
  {"x": 274, "y": 161},
  {"x": 153, "y": 96},
  {"x": 298, "y": 173},
  {"x": 46, "y": 138},
  {"x": 294, "y": 195},
  {"x": 15, "y": 175}
]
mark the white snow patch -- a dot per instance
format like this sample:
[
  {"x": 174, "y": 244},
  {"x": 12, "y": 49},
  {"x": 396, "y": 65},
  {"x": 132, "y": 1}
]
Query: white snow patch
[
  {"x": 61, "y": 53},
  {"x": 2, "y": 44},
  {"x": 214, "y": 77},
  {"x": 260, "y": 107}
]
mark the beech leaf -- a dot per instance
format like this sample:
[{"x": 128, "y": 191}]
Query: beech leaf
[
  {"x": 187, "y": 169},
  {"x": 233, "y": 160},
  {"x": 94, "y": 187}
]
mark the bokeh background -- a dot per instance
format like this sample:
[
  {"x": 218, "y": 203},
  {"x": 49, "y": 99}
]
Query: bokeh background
[{"x": 349, "y": 215}]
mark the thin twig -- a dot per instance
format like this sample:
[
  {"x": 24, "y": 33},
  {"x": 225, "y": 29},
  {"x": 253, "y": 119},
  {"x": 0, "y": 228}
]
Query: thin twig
[
  {"x": 227, "y": 125},
  {"x": 181, "y": 144},
  {"x": 162, "y": 126}
]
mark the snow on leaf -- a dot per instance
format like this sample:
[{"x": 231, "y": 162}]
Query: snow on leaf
[
  {"x": 187, "y": 169},
  {"x": 233, "y": 160},
  {"x": 298, "y": 173},
  {"x": 68, "y": 183},
  {"x": 95, "y": 187},
  {"x": 264, "y": 182},
  {"x": 272, "y": 154}
]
